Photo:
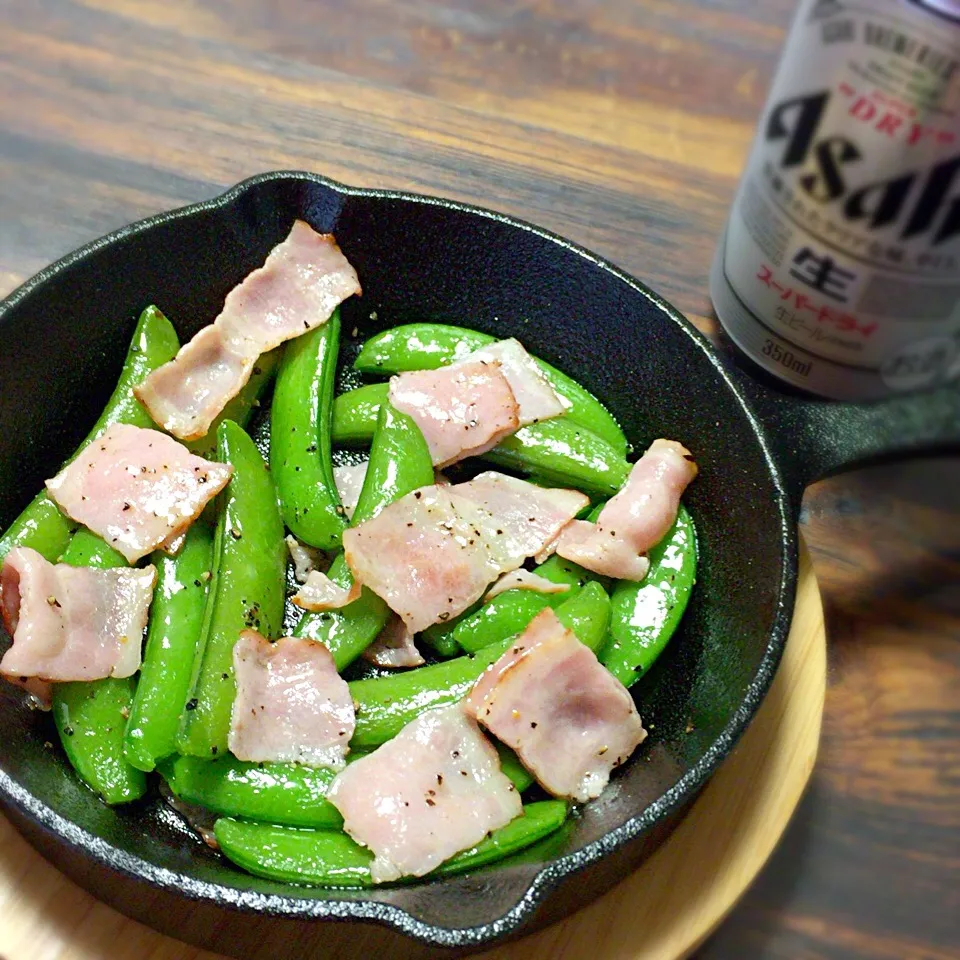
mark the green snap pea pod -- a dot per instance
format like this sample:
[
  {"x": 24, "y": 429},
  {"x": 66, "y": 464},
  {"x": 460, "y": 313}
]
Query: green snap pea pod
[
  {"x": 503, "y": 617},
  {"x": 426, "y": 346},
  {"x": 558, "y": 451},
  {"x": 300, "y": 421},
  {"x": 176, "y": 618},
  {"x": 240, "y": 408},
  {"x": 355, "y": 413},
  {"x": 329, "y": 858},
  {"x": 399, "y": 463},
  {"x": 41, "y": 525},
  {"x": 90, "y": 715},
  {"x": 564, "y": 454},
  {"x": 284, "y": 793},
  {"x": 349, "y": 631},
  {"x": 246, "y": 590},
  {"x": 644, "y": 615},
  {"x": 509, "y": 612},
  {"x": 513, "y": 769},
  {"x": 385, "y": 705}
]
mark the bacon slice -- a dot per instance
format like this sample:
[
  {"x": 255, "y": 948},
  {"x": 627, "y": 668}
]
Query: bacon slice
[
  {"x": 432, "y": 791},
  {"x": 530, "y": 515},
  {"x": 299, "y": 286},
  {"x": 72, "y": 623},
  {"x": 304, "y": 558},
  {"x": 551, "y": 700},
  {"x": 319, "y": 592},
  {"x": 137, "y": 488},
  {"x": 462, "y": 410},
  {"x": 524, "y": 580},
  {"x": 635, "y": 519},
  {"x": 291, "y": 705},
  {"x": 394, "y": 647},
  {"x": 348, "y": 480},
  {"x": 433, "y": 552},
  {"x": 536, "y": 399}
]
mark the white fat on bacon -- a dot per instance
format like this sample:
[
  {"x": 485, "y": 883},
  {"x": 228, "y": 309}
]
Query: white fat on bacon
[
  {"x": 393, "y": 647},
  {"x": 72, "y": 623},
  {"x": 524, "y": 580},
  {"x": 433, "y": 790},
  {"x": 635, "y": 519},
  {"x": 137, "y": 488},
  {"x": 433, "y": 552},
  {"x": 536, "y": 399},
  {"x": 304, "y": 558},
  {"x": 320, "y": 593},
  {"x": 291, "y": 704},
  {"x": 348, "y": 480},
  {"x": 299, "y": 286},
  {"x": 462, "y": 410},
  {"x": 551, "y": 700}
]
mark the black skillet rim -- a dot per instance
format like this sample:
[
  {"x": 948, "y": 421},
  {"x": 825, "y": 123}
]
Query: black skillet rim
[{"x": 549, "y": 876}]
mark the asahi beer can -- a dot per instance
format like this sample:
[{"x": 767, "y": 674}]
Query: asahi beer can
[{"x": 839, "y": 268}]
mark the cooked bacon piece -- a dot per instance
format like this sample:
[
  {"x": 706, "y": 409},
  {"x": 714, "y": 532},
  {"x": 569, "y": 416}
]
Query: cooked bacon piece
[
  {"x": 394, "y": 647},
  {"x": 291, "y": 705},
  {"x": 72, "y": 623},
  {"x": 304, "y": 558},
  {"x": 433, "y": 790},
  {"x": 187, "y": 393},
  {"x": 301, "y": 283},
  {"x": 319, "y": 592},
  {"x": 635, "y": 519},
  {"x": 349, "y": 482},
  {"x": 583, "y": 543},
  {"x": 551, "y": 700},
  {"x": 461, "y": 410},
  {"x": 137, "y": 488},
  {"x": 530, "y": 515},
  {"x": 524, "y": 580},
  {"x": 433, "y": 552},
  {"x": 536, "y": 399}
]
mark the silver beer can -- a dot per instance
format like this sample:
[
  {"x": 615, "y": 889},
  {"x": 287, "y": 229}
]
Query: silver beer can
[{"x": 839, "y": 267}]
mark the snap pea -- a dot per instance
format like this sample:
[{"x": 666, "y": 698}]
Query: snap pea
[
  {"x": 355, "y": 414},
  {"x": 385, "y": 705},
  {"x": 241, "y": 407},
  {"x": 509, "y": 612},
  {"x": 284, "y": 793},
  {"x": 41, "y": 525},
  {"x": 558, "y": 451},
  {"x": 563, "y": 454},
  {"x": 329, "y": 858},
  {"x": 300, "y": 419},
  {"x": 513, "y": 769},
  {"x": 426, "y": 346},
  {"x": 90, "y": 716},
  {"x": 246, "y": 590},
  {"x": 173, "y": 636},
  {"x": 399, "y": 463},
  {"x": 644, "y": 615}
]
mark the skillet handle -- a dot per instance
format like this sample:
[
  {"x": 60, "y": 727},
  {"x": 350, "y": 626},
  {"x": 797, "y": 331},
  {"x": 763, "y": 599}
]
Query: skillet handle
[{"x": 815, "y": 438}]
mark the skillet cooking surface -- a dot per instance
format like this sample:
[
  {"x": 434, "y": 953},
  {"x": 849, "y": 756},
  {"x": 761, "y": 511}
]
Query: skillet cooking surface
[{"x": 64, "y": 337}]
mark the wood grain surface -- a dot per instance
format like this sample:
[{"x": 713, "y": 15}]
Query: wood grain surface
[{"x": 623, "y": 125}]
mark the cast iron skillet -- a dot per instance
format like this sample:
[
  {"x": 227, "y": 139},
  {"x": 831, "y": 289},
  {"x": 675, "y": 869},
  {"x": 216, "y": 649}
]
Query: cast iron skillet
[{"x": 64, "y": 334}]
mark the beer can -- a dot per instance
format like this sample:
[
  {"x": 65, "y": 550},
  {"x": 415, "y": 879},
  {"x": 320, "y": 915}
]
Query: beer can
[{"x": 839, "y": 267}]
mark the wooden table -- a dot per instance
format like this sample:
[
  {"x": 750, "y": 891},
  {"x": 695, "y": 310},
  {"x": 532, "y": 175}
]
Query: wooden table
[{"x": 622, "y": 125}]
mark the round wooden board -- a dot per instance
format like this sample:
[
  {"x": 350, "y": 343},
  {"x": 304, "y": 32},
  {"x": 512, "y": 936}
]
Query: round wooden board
[{"x": 662, "y": 912}]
